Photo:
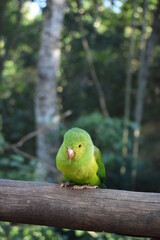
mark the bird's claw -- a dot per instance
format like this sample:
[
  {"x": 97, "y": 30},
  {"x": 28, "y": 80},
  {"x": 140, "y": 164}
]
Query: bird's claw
[
  {"x": 81, "y": 187},
  {"x": 67, "y": 184},
  {"x": 77, "y": 187}
]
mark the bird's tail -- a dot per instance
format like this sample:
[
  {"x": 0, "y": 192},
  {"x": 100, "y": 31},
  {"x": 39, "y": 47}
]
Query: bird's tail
[{"x": 102, "y": 185}]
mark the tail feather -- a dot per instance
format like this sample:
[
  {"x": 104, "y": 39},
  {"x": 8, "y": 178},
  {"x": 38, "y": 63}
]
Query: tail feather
[{"x": 102, "y": 185}]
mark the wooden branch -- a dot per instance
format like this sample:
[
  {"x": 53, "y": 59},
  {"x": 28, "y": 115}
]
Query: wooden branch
[{"x": 121, "y": 212}]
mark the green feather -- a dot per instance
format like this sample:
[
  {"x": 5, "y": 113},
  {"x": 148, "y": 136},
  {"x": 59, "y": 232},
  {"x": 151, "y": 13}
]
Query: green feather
[
  {"x": 86, "y": 166},
  {"x": 101, "y": 168}
]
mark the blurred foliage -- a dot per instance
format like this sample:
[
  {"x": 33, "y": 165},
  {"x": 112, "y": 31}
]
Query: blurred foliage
[
  {"x": 30, "y": 232},
  {"x": 18, "y": 42},
  {"x": 107, "y": 28},
  {"x": 14, "y": 166}
]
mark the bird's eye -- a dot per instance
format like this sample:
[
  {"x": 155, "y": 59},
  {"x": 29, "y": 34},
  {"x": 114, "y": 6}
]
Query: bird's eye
[{"x": 79, "y": 145}]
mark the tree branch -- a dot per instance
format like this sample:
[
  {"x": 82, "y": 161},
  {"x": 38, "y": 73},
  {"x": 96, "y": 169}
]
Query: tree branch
[
  {"x": 23, "y": 139},
  {"x": 31, "y": 135},
  {"x": 120, "y": 212},
  {"x": 29, "y": 156}
]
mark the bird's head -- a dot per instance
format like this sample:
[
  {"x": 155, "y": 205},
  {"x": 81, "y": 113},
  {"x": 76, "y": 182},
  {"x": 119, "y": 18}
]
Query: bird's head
[{"x": 77, "y": 144}]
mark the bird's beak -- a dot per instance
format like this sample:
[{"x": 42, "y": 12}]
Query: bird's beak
[{"x": 70, "y": 153}]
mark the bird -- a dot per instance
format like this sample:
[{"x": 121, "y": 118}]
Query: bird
[{"x": 79, "y": 161}]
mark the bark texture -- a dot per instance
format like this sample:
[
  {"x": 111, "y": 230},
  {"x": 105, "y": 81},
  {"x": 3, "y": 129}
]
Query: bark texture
[
  {"x": 121, "y": 212},
  {"x": 46, "y": 110}
]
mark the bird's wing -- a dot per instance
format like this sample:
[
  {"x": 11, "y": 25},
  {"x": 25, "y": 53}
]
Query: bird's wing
[{"x": 101, "y": 168}]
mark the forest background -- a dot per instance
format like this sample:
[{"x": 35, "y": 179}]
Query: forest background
[{"x": 91, "y": 64}]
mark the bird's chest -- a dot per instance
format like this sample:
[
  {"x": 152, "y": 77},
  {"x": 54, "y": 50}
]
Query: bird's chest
[{"x": 78, "y": 172}]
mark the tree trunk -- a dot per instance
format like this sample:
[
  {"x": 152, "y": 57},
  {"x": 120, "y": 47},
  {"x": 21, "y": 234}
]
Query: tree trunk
[
  {"x": 46, "y": 110},
  {"x": 127, "y": 103},
  {"x": 145, "y": 58}
]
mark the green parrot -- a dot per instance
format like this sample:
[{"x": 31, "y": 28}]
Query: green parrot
[{"x": 80, "y": 161}]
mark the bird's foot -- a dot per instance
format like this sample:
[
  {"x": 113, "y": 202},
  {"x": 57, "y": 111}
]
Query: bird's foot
[
  {"x": 81, "y": 187},
  {"x": 67, "y": 184}
]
